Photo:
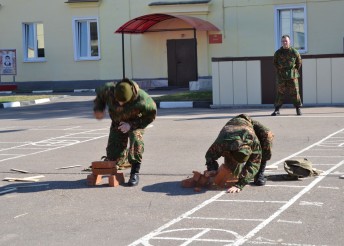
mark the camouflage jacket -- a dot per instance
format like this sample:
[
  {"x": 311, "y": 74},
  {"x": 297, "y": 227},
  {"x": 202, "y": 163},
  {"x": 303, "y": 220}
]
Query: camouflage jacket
[
  {"x": 287, "y": 63},
  {"x": 265, "y": 137},
  {"x": 238, "y": 131},
  {"x": 139, "y": 112}
]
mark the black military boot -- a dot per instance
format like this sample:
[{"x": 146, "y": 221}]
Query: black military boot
[
  {"x": 134, "y": 174},
  {"x": 276, "y": 112},
  {"x": 298, "y": 111},
  {"x": 259, "y": 179},
  {"x": 212, "y": 166}
]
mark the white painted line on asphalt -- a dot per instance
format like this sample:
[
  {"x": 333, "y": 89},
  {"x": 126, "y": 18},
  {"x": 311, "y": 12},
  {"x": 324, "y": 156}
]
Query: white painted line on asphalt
[
  {"x": 250, "y": 201},
  {"x": 316, "y": 164},
  {"x": 317, "y": 156},
  {"x": 54, "y": 143},
  {"x": 145, "y": 239},
  {"x": 253, "y": 232},
  {"x": 197, "y": 236},
  {"x": 328, "y": 187},
  {"x": 288, "y": 186},
  {"x": 307, "y": 148},
  {"x": 305, "y": 203},
  {"x": 288, "y": 221},
  {"x": 229, "y": 219}
]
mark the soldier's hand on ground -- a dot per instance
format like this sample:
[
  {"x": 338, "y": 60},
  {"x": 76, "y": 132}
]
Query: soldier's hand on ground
[
  {"x": 98, "y": 115},
  {"x": 233, "y": 189},
  {"x": 124, "y": 127}
]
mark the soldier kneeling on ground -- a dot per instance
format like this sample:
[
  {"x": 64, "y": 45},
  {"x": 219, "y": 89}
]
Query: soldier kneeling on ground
[{"x": 246, "y": 146}]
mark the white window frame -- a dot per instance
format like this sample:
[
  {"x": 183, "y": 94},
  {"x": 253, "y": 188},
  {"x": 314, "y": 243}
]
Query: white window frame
[
  {"x": 278, "y": 33},
  {"x": 77, "y": 56},
  {"x": 25, "y": 46}
]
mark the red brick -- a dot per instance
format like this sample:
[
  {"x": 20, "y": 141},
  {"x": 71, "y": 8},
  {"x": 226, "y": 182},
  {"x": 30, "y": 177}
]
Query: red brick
[
  {"x": 116, "y": 180},
  {"x": 104, "y": 167},
  {"x": 225, "y": 177},
  {"x": 94, "y": 179}
]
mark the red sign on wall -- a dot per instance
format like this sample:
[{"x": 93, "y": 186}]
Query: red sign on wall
[{"x": 215, "y": 39}]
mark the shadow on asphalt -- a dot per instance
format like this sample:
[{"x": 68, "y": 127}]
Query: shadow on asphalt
[
  {"x": 169, "y": 188},
  {"x": 172, "y": 188}
]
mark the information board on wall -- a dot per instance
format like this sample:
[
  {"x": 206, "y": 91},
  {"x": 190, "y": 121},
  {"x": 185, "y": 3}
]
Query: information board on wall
[{"x": 8, "y": 62}]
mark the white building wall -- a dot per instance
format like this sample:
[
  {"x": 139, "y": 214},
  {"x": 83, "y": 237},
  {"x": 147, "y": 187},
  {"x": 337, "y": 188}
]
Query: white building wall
[
  {"x": 337, "y": 80},
  {"x": 309, "y": 81},
  {"x": 236, "y": 83},
  {"x": 323, "y": 81},
  {"x": 254, "y": 85}
]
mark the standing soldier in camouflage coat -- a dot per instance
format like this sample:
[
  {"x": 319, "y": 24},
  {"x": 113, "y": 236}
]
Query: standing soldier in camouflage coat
[
  {"x": 287, "y": 62},
  {"x": 131, "y": 110},
  {"x": 245, "y": 145}
]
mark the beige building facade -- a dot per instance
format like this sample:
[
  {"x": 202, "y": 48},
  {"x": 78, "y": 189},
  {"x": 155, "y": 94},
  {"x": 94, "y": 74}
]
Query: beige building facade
[{"x": 72, "y": 44}]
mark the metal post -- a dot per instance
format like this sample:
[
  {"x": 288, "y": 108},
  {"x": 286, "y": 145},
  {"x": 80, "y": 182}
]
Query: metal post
[
  {"x": 123, "y": 62},
  {"x": 196, "y": 53}
]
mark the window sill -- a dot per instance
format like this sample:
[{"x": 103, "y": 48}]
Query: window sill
[
  {"x": 35, "y": 60},
  {"x": 88, "y": 59}
]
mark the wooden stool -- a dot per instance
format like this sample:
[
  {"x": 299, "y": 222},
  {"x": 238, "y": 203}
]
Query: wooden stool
[{"x": 108, "y": 168}]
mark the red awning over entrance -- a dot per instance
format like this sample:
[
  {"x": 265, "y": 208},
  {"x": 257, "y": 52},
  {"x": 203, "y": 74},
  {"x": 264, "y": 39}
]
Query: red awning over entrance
[{"x": 143, "y": 23}]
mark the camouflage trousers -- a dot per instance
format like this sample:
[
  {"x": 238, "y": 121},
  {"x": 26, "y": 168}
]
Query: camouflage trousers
[
  {"x": 117, "y": 150},
  {"x": 266, "y": 144},
  {"x": 292, "y": 87}
]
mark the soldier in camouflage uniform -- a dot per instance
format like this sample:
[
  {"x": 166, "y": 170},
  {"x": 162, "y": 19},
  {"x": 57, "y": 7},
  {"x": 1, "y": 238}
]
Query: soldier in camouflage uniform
[
  {"x": 287, "y": 62},
  {"x": 131, "y": 110},
  {"x": 245, "y": 145}
]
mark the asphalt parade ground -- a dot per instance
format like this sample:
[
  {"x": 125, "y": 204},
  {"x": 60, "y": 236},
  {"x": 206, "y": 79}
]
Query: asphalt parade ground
[{"x": 60, "y": 209}]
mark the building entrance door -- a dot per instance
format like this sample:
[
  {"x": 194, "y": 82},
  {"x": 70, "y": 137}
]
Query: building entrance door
[{"x": 181, "y": 62}]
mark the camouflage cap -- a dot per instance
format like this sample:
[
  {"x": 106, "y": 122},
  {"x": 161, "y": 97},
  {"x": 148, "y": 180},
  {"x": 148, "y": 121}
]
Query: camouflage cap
[
  {"x": 123, "y": 92},
  {"x": 242, "y": 154}
]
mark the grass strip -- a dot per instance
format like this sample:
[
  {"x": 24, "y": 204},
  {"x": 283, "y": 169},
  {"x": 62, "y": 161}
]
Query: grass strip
[
  {"x": 21, "y": 98},
  {"x": 186, "y": 96}
]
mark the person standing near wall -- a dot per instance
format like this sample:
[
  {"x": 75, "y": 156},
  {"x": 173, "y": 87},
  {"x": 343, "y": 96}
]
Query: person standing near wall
[{"x": 287, "y": 62}]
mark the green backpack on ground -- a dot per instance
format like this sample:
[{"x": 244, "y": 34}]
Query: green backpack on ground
[{"x": 300, "y": 168}]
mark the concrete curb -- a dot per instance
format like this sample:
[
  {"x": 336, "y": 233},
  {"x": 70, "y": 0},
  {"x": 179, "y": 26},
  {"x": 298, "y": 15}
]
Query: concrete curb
[
  {"x": 28, "y": 103},
  {"x": 183, "y": 104},
  {"x": 167, "y": 104}
]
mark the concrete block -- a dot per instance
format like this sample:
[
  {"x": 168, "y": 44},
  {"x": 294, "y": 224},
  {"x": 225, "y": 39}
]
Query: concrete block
[{"x": 201, "y": 84}]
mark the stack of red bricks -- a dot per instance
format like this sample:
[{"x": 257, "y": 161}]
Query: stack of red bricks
[
  {"x": 105, "y": 168},
  {"x": 220, "y": 179}
]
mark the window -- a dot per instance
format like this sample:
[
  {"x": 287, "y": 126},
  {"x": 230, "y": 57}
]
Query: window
[
  {"x": 293, "y": 22},
  {"x": 86, "y": 39},
  {"x": 33, "y": 40}
]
